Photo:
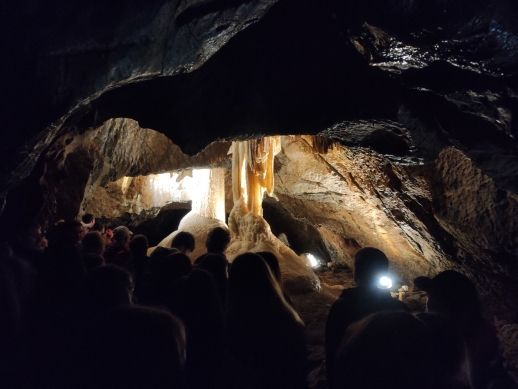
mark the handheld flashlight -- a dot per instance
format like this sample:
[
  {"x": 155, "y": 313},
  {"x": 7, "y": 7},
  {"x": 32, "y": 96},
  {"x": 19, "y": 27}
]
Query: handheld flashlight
[{"x": 385, "y": 283}]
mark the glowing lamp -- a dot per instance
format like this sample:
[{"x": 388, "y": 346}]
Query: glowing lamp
[
  {"x": 312, "y": 260},
  {"x": 385, "y": 283}
]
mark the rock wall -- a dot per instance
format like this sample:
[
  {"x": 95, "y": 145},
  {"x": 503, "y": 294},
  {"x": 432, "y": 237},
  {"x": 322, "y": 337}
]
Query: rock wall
[
  {"x": 427, "y": 218},
  {"x": 80, "y": 162}
]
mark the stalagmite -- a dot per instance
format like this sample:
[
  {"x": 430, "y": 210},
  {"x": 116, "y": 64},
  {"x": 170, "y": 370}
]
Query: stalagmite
[
  {"x": 208, "y": 209},
  {"x": 208, "y": 195}
]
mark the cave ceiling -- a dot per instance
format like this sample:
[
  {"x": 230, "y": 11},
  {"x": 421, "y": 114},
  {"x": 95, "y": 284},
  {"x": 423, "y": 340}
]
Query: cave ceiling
[{"x": 200, "y": 71}]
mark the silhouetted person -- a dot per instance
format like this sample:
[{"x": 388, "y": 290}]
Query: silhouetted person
[
  {"x": 266, "y": 336},
  {"x": 158, "y": 282},
  {"x": 139, "y": 259},
  {"x": 29, "y": 243},
  {"x": 272, "y": 261},
  {"x": 118, "y": 253},
  {"x": 447, "y": 354},
  {"x": 92, "y": 243},
  {"x": 107, "y": 287},
  {"x": 59, "y": 281},
  {"x": 199, "y": 306},
  {"x": 217, "y": 242},
  {"x": 17, "y": 279},
  {"x": 91, "y": 261},
  {"x": 98, "y": 226},
  {"x": 87, "y": 221},
  {"x": 62, "y": 270},
  {"x": 132, "y": 347},
  {"x": 183, "y": 242},
  {"x": 385, "y": 350},
  {"x": 217, "y": 266},
  {"x": 356, "y": 303},
  {"x": 453, "y": 295}
]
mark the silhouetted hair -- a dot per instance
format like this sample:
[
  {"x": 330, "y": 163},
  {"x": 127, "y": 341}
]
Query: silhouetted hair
[
  {"x": 98, "y": 226},
  {"x": 28, "y": 226},
  {"x": 64, "y": 229},
  {"x": 386, "y": 349},
  {"x": 133, "y": 347},
  {"x": 452, "y": 294},
  {"x": 250, "y": 279},
  {"x": 447, "y": 351},
  {"x": 160, "y": 253},
  {"x": 183, "y": 239},
  {"x": 87, "y": 218},
  {"x": 107, "y": 287},
  {"x": 139, "y": 246},
  {"x": 92, "y": 260},
  {"x": 217, "y": 266},
  {"x": 369, "y": 263},
  {"x": 92, "y": 243},
  {"x": 166, "y": 270},
  {"x": 272, "y": 261},
  {"x": 217, "y": 240}
]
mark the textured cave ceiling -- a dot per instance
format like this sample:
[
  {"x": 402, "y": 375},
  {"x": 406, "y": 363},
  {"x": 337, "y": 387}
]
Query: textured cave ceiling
[{"x": 424, "y": 93}]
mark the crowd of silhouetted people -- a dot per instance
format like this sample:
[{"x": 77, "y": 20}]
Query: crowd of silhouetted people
[{"x": 84, "y": 306}]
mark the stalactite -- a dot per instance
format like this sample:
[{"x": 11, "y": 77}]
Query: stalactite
[
  {"x": 320, "y": 144},
  {"x": 252, "y": 171}
]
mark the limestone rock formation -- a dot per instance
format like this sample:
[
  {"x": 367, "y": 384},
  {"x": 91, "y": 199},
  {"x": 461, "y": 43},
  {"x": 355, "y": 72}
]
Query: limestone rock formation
[{"x": 421, "y": 95}]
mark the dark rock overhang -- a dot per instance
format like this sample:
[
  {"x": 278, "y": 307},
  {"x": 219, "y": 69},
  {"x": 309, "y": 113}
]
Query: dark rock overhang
[{"x": 286, "y": 67}]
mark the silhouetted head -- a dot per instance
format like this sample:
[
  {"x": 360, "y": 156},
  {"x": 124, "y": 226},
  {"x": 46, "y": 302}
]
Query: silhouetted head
[
  {"x": 387, "y": 349},
  {"x": 251, "y": 280},
  {"x": 272, "y": 261},
  {"x": 217, "y": 240},
  {"x": 452, "y": 294},
  {"x": 369, "y": 265},
  {"x": 168, "y": 269},
  {"x": 216, "y": 265},
  {"x": 70, "y": 232},
  {"x": 158, "y": 255},
  {"x": 139, "y": 246},
  {"x": 88, "y": 219},
  {"x": 133, "y": 347},
  {"x": 122, "y": 235},
  {"x": 30, "y": 237},
  {"x": 91, "y": 261},
  {"x": 92, "y": 243},
  {"x": 98, "y": 226},
  {"x": 108, "y": 287},
  {"x": 183, "y": 242}
]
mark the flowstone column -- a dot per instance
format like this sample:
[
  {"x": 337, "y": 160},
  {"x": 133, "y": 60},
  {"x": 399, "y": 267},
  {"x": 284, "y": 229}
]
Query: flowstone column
[
  {"x": 208, "y": 209},
  {"x": 208, "y": 196},
  {"x": 252, "y": 176}
]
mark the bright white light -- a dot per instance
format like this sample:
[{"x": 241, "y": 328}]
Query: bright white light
[
  {"x": 312, "y": 260},
  {"x": 385, "y": 282}
]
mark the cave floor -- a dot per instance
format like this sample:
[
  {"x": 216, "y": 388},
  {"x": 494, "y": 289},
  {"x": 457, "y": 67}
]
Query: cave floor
[{"x": 314, "y": 308}]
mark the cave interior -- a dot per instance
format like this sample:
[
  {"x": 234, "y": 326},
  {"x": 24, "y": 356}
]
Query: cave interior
[{"x": 115, "y": 110}]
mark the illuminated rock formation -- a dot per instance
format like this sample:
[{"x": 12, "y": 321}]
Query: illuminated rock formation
[
  {"x": 208, "y": 209},
  {"x": 252, "y": 176}
]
